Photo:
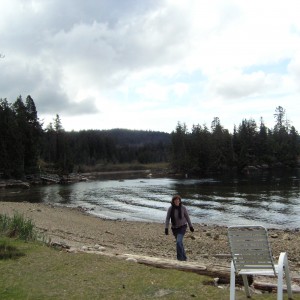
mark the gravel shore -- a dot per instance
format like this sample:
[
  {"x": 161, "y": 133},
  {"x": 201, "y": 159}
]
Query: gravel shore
[{"x": 75, "y": 228}]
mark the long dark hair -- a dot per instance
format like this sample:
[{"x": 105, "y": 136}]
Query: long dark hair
[{"x": 175, "y": 207}]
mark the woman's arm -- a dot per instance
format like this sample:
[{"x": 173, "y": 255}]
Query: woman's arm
[
  {"x": 168, "y": 217},
  {"x": 186, "y": 215}
]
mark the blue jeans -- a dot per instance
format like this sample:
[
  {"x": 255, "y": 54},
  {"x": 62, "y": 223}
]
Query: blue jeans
[{"x": 179, "y": 234}]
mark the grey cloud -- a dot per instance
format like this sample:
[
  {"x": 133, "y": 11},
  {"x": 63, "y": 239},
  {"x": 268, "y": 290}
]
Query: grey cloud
[
  {"x": 18, "y": 77},
  {"x": 134, "y": 32},
  {"x": 49, "y": 17},
  {"x": 236, "y": 90},
  {"x": 43, "y": 83},
  {"x": 35, "y": 23},
  {"x": 85, "y": 106},
  {"x": 56, "y": 102},
  {"x": 133, "y": 44},
  {"x": 246, "y": 85},
  {"x": 98, "y": 41}
]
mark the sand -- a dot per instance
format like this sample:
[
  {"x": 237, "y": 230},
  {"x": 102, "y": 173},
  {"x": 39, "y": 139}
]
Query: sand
[{"x": 76, "y": 228}]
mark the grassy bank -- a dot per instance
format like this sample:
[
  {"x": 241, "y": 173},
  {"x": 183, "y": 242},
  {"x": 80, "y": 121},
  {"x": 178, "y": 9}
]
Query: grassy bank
[
  {"x": 45, "y": 273},
  {"x": 30, "y": 269}
]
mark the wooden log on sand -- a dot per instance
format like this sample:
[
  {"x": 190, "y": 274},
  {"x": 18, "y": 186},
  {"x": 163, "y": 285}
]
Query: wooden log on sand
[
  {"x": 272, "y": 287},
  {"x": 214, "y": 271},
  {"x": 219, "y": 272}
]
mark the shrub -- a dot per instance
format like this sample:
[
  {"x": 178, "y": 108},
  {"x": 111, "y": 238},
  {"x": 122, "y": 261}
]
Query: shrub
[{"x": 17, "y": 227}]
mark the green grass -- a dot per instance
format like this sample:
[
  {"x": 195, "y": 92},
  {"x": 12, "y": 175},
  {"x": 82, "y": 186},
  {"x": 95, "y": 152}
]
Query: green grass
[
  {"x": 29, "y": 269},
  {"x": 46, "y": 273},
  {"x": 8, "y": 251},
  {"x": 17, "y": 227}
]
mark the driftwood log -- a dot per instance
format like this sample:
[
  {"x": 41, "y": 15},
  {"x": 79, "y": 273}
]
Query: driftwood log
[
  {"x": 222, "y": 273},
  {"x": 215, "y": 271},
  {"x": 272, "y": 287}
]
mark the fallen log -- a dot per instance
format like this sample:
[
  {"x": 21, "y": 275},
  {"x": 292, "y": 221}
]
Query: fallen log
[
  {"x": 272, "y": 287},
  {"x": 222, "y": 273},
  {"x": 214, "y": 271}
]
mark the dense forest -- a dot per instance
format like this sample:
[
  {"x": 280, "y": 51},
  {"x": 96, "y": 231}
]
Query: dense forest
[
  {"x": 27, "y": 148},
  {"x": 250, "y": 147}
]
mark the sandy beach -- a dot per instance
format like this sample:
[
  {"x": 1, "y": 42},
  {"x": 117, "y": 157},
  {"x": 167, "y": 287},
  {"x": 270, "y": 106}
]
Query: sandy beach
[{"x": 76, "y": 228}]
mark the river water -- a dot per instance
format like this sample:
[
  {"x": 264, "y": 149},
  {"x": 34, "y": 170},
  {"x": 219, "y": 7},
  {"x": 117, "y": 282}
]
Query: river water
[{"x": 268, "y": 199}]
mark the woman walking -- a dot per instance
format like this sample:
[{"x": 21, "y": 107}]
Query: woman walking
[{"x": 180, "y": 219}]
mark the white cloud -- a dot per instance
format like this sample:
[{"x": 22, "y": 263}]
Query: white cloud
[
  {"x": 294, "y": 69},
  {"x": 148, "y": 64},
  {"x": 234, "y": 84}
]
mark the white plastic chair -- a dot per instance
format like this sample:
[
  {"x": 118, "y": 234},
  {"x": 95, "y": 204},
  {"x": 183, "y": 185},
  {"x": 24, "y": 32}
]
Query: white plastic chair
[{"x": 251, "y": 255}]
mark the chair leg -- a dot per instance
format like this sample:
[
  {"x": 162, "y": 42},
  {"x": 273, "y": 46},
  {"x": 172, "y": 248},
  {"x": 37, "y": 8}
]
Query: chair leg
[
  {"x": 283, "y": 267},
  {"x": 246, "y": 286},
  {"x": 232, "y": 281}
]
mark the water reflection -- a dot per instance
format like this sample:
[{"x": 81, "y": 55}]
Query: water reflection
[{"x": 269, "y": 199}]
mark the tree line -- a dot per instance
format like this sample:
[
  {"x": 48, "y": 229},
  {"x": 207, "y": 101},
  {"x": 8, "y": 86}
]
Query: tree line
[
  {"x": 20, "y": 135},
  {"x": 203, "y": 150},
  {"x": 27, "y": 148}
]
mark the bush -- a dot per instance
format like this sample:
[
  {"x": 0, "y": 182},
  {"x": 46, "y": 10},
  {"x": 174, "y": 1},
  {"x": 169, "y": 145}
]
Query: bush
[{"x": 17, "y": 227}]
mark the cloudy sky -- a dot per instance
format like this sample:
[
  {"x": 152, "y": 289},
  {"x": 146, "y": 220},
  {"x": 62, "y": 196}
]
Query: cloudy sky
[{"x": 148, "y": 64}]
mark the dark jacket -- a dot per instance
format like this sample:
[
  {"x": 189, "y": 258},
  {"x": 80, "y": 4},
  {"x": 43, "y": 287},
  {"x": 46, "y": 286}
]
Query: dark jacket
[{"x": 185, "y": 219}]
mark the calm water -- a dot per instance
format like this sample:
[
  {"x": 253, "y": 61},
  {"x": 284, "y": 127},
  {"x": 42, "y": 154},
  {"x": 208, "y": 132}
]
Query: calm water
[{"x": 272, "y": 200}]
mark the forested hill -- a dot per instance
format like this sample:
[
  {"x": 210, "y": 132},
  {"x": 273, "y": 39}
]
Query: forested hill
[
  {"x": 126, "y": 137},
  {"x": 27, "y": 148},
  {"x": 66, "y": 150}
]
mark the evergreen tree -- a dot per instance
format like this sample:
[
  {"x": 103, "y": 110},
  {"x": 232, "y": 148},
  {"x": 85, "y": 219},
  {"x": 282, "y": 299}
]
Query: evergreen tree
[
  {"x": 263, "y": 145},
  {"x": 57, "y": 124},
  {"x": 200, "y": 149},
  {"x": 282, "y": 138},
  {"x": 30, "y": 131},
  {"x": 11, "y": 158},
  {"x": 294, "y": 147},
  {"x": 179, "y": 139},
  {"x": 63, "y": 154},
  {"x": 34, "y": 134},
  {"x": 245, "y": 137},
  {"x": 221, "y": 146},
  {"x": 20, "y": 113},
  {"x": 280, "y": 122}
]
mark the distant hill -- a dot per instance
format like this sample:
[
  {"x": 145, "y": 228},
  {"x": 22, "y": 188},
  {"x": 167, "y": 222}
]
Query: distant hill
[{"x": 137, "y": 138}]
